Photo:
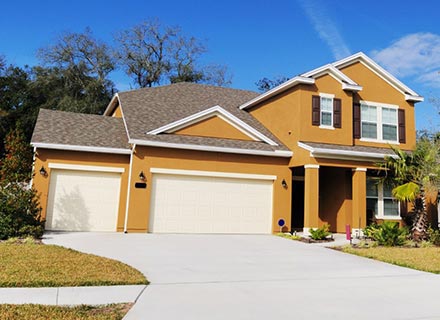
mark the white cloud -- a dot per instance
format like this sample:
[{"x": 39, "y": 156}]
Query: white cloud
[
  {"x": 325, "y": 27},
  {"x": 415, "y": 55}
]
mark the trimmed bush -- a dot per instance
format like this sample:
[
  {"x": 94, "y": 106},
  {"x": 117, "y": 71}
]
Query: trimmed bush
[
  {"x": 320, "y": 233},
  {"x": 387, "y": 233}
]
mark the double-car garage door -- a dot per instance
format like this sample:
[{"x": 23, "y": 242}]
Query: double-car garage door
[
  {"x": 210, "y": 203},
  {"x": 181, "y": 201}
]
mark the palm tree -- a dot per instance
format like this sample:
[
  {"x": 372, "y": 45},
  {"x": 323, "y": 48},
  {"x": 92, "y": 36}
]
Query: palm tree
[{"x": 414, "y": 176}]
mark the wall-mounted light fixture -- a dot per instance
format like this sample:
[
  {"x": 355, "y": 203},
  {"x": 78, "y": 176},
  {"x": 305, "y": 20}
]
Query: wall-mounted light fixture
[
  {"x": 43, "y": 171},
  {"x": 142, "y": 176},
  {"x": 284, "y": 184}
]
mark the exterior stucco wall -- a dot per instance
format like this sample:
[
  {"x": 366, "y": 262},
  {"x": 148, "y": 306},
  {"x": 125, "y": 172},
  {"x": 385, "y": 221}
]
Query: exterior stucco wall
[
  {"x": 146, "y": 158},
  {"x": 44, "y": 157}
]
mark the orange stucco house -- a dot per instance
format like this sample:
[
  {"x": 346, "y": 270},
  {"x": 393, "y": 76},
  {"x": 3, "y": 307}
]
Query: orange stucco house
[{"x": 190, "y": 158}]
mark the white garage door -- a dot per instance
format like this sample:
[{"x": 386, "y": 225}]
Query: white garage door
[
  {"x": 203, "y": 204},
  {"x": 83, "y": 200}
]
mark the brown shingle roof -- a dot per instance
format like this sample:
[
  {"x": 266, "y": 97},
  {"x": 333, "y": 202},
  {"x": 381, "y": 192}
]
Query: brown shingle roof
[
  {"x": 150, "y": 108},
  {"x": 336, "y": 147},
  {"x": 78, "y": 129}
]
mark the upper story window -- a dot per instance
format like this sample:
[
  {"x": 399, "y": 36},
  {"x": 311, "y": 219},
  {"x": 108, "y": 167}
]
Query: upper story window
[
  {"x": 326, "y": 111},
  {"x": 379, "y": 122}
]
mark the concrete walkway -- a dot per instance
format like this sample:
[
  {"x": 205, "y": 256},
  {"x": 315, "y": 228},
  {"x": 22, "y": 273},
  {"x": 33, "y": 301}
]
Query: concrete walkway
[
  {"x": 260, "y": 277},
  {"x": 72, "y": 295}
]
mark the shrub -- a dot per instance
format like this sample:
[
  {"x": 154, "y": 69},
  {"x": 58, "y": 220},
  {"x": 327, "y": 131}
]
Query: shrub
[
  {"x": 19, "y": 212},
  {"x": 434, "y": 236},
  {"x": 320, "y": 233},
  {"x": 387, "y": 233}
]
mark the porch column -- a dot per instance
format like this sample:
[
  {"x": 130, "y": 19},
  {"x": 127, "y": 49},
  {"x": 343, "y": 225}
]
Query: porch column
[
  {"x": 311, "y": 197},
  {"x": 359, "y": 215}
]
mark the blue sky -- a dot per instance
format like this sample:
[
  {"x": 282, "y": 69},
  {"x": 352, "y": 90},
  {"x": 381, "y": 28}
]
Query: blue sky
[{"x": 255, "y": 39}]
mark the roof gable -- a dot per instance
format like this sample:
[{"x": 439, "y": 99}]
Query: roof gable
[
  {"x": 215, "y": 111},
  {"x": 215, "y": 126},
  {"x": 346, "y": 82},
  {"x": 410, "y": 95},
  {"x": 334, "y": 69}
]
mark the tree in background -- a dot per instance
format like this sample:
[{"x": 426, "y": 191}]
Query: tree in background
[
  {"x": 75, "y": 76},
  {"x": 17, "y": 164},
  {"x": 266, "y": 84},
  {"x": 151, "y": 53}
]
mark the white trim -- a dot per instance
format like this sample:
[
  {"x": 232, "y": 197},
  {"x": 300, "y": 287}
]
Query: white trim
[
  {"x": 213, "y": 174},
  {"x": 278, "y": 89},
  {"x": 327, "y": 95},
  {"x": 351, "y": 87},
  {"x": 379, "y": 104},
  {"x": 332, "y": 71},
  {"x": 77, "y": 167},
  {"x": 210, "y": 112},
  {"x": 110, "y": 104},
  {"x": 381, "y": 72},
  {"x": 127, "y": 201},
  {"x": 305, "y": 146},
  {"x": 388, "y": 217},
  {"x": 409, "y": 97},
  {"x": 311, "y": 166},
  {"x": 360, "y": 169},
  {"x": 326, "y": 127},
  {"x": 276, "y": 153},
  {"x": 80, "y": 148},
  {"x": 343, "y": 154}
]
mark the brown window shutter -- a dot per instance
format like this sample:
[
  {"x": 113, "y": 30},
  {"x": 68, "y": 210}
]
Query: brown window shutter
[
  {"x": 337, "y": 115},
  {"x": 356, "y": 120},
  {"x": 402, "y": 131},
  {"x": 316, "y": 110}
]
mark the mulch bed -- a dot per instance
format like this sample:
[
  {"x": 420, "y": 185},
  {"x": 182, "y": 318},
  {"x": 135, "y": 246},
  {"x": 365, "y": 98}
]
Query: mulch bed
[{"x": 310, "y": 240}]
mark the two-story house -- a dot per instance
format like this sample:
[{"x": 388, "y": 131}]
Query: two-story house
[{"x": 201, "y": 159}]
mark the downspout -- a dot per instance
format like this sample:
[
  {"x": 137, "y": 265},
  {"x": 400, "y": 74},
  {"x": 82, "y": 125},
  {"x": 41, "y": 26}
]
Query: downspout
[{"x": 129, "y": 187}]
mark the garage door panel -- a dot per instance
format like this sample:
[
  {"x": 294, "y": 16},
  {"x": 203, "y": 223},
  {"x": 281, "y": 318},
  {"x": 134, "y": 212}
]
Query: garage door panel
[
  {"x": 83, "y": 200},
  {"x": 200, "y": 204}
]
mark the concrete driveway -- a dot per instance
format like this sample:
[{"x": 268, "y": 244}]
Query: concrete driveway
[{"x": 260, "y": 277}]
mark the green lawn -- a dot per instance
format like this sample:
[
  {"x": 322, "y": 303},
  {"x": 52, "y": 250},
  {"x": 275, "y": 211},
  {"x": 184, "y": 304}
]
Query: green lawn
[
  {"x": 39, "y": 312},
  {"x": 38, "y": 265},
  {"x": 424, "y": 259}
]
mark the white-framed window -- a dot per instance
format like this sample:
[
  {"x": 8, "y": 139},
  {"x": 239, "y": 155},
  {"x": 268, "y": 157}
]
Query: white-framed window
[
  {"x": 379, "y": 122},
  {"x": 326, "y": 111},
  {"x": 380, "y": 202}
]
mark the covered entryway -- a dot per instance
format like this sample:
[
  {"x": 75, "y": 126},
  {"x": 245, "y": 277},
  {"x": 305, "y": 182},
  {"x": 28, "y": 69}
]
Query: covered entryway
[
  {"x": 83, "y": 198},
  {"x": 209, "y": 202}
]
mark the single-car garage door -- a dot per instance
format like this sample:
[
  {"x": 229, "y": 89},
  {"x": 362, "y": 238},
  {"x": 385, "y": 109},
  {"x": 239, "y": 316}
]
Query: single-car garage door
[
  {"x": 83, "y": 200},
  {"x": 210, "y": 204}
]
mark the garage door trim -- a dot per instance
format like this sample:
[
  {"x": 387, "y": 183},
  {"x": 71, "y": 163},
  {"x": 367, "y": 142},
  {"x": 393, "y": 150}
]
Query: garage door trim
[
  {"x": 85, "y": 168},
  {"x": 213, "y": 174}
]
